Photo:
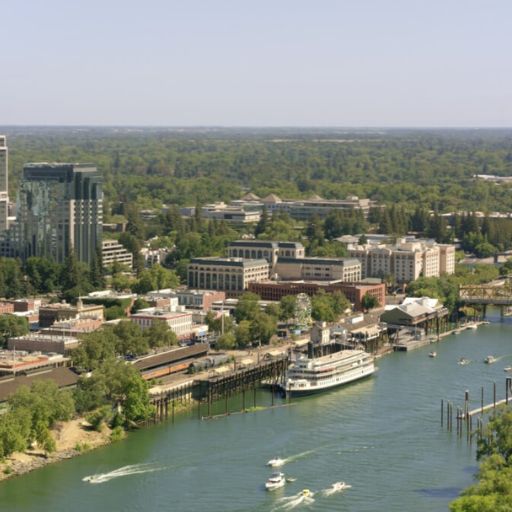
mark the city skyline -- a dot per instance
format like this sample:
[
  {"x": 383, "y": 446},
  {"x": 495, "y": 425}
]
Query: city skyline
[{"x": 337, "y": 64}]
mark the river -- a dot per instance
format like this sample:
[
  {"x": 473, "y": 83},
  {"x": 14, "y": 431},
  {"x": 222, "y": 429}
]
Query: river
[{"x": 381, "y": 435}]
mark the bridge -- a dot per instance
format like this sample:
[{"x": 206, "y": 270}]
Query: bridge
[{"x": 497, "y": 293}]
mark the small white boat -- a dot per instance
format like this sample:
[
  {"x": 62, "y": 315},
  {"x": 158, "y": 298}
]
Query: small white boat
[
  {"x": 473, "y": 326},
  {"x": 275, "y": 481},
  {"x": 306, "y": 493},
  {"x": 276, "y": 463},
  {"x": 490, "y": 360},
  {"x": 432, "y": 354},
  {"x": 463, "y": 361},
  {"x": 290, "y": 479},
  {"x": 340, "y": 486},
  {"x": 507, "y": 369}
]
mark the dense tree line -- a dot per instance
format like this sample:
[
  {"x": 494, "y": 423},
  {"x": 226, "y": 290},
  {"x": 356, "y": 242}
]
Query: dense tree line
[
  {"x": 493, "y": 490},
  {"x": 431, "y": 168},
  {"x": 125, "y": 339}
]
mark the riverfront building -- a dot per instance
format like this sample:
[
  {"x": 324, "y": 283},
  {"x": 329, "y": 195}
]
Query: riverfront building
[
  {"x": 60, "y": 209},
  {"x": 231, "y": 275}
]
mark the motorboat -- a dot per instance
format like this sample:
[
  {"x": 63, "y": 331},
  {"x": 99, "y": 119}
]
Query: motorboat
[
  {"x": 473, "y": 326},
  {"x": 340, "y": 486},
  {"x": 463, "y": 361},
  {"x": 507, "y": 369},
  {"x": 275, "y": 481},
  {"x": 432, "y": 354},
  {"x": 490, "y": 359},
  {"x": 306, "y": 493},
  {"x": 275, "y": 463}
]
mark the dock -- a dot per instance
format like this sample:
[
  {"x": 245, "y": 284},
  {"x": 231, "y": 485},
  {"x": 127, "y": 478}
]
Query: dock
[{"x": 220, "y": 384}]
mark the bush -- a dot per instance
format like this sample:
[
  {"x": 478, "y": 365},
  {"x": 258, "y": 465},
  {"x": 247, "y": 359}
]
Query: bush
[{"x": 117, "y": 434}]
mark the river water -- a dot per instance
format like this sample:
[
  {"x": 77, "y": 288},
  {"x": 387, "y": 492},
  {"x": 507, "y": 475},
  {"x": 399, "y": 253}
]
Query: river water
[{"x": 381, "y": 435}]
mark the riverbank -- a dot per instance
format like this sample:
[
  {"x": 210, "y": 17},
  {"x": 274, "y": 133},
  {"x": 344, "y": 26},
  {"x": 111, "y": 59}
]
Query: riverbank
[{"x": 72, "y": 438}]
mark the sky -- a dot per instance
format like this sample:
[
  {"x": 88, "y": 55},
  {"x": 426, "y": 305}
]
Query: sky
[{"x": 353, "y": 63}]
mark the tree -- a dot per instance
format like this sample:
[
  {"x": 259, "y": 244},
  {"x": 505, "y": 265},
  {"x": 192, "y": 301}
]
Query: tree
[
  {"x": 131, "y": 342},
  {"x": 12, "y": 326},
  {"x": 96, "y": 347},
  {"x": 247, "y": 307},
  {"x": 243, "y": 334},
  {"x": 134, "y": 226},
  {"x": 288, "y": 305},
  {"x": 369, "y": 301},
  {"x": 132, "y": 243},
  {"x": 158, "y": 334},
  {"x": 262, "y": 224},
  {"x": 262, "y": 328},
  {"x": 226, "y": 341},
  {"x": 273, "y": 310},
  {"x": 119, "y": 384}
]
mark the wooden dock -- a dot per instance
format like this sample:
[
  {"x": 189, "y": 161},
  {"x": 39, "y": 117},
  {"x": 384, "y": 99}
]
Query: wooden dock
[
  {"x": 207, "y": 388},
  {"x": 464, "y": 416}
]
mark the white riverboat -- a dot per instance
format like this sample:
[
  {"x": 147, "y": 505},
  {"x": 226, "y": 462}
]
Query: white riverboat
[{"x": 313, "y": 375}]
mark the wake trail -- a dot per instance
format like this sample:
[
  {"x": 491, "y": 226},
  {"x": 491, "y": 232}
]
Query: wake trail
[
  {"x": 291, "y": 502},
  {"x": 134, "y": 469}
]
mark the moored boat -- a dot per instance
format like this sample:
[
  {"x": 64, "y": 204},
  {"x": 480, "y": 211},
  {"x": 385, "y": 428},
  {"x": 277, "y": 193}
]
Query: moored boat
[
  {"x": 463, "y": 361},
  {"x": 490, "y": 360},
  {"x": 507, "y": 369},
  {"x": 308, "y": 375},
  {"x": 432, "y": 354}
]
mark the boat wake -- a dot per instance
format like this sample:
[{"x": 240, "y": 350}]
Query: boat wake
[
  {"x": 335, "y": 488},
  {"x": 134, "y": 469},
  {"x": 278, "y": 462},
  {"x": 291, "y": 502}
]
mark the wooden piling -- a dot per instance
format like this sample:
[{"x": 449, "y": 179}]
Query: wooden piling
[
  {"x": 482, "y": 401},
  {"x": 494, "y": 395},
  {"x": 442, "y": 411}
]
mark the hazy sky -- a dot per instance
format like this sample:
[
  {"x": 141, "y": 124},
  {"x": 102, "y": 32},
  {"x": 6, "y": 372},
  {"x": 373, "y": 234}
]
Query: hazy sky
[{"x": 259, "y": 62}]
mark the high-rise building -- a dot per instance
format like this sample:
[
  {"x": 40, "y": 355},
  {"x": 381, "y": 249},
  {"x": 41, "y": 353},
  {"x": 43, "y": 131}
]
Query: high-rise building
[
  {"x": 4, "y": 193},
  {"x": 60, "y": 208}
]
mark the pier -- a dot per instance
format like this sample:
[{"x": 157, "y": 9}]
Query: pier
[
  {"x": 211, "y": 387},
  {"x": 464, "y": 416}
]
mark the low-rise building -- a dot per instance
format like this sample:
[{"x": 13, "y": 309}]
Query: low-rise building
[
  {"x": 51, "y": 313},
  {"x": 231, "y": 275},
  {"x": 14, "y": 362},
  {"x": 355, "y": 292},
  {"x": 179, "y": 322},
  {"x": 319, "y": 269},
  {"x": 112, "y": 251},
  {"x": 73, "y": 327},
  {"x": 265, "y": 249},
  {"x": 232, "y": 214},
  {"x": 43, "y": 342},
  {"x": 199, "y": 299},
  {"x": 6, "y": 308}
]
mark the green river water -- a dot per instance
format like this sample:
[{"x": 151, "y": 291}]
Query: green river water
[{"x": 381, "y": 435}]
